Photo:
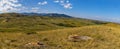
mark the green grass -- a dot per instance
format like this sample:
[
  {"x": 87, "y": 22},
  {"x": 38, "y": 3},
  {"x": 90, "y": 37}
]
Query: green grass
[
  {"x": 18, "y": 30},
  {"x": 104, "y": 37},
  {"x": 21, "y": 23}
]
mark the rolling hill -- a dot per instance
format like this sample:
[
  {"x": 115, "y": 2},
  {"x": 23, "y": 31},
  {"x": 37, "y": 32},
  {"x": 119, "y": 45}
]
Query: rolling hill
[
  {"x": 10, "y": 22},
  {"x": 19, "y": 31},
  {"x": 103, "y": 37},
  {"x": 48, "y": 14}
]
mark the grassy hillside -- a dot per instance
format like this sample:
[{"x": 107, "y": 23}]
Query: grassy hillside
[
  {"x": 103, "y": 37},
  {"x": 19, "y": 31},
  {"x": 14, "y": 22}
]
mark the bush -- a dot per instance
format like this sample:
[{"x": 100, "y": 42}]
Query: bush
[
  {"x": 65, "y": 25},
  {"x": 29, "y": 33}
]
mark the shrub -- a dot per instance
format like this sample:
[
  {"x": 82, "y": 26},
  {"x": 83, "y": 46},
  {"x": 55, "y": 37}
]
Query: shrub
[{"x": 29, "y": 33}]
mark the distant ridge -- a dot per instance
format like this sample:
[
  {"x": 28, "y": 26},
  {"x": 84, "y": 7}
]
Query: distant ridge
[
  {"x": 37, "y": 14},
  {"x": 55, "y": 15},
  {"x": 11, "y": 15},
  {"x": 48, "y": 14}
]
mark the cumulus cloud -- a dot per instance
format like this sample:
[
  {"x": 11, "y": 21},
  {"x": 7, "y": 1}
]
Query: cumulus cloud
[
  {"x": 9, "y": 5},
  {"x": 42, "y": 3},
  {"x": 65, "y": 3},
  {"x": 67, "y": 6},
  {"x": 16, "y": 6}
]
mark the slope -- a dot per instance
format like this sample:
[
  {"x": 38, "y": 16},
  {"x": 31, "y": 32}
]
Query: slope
[
  {"x": 103, "y": 37},
  {"x": 15, "y": 22}
]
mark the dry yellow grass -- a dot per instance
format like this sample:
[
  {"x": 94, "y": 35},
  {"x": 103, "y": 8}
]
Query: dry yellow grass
[{"x": 104, "y": 37}]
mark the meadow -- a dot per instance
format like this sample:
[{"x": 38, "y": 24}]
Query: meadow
[{"x": 43, "y": 32}]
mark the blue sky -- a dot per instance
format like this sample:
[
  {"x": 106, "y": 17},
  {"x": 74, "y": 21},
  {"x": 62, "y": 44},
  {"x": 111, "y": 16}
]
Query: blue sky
[{"x": 108, "y": 10}]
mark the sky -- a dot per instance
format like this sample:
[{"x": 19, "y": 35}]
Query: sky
[{"x": 106, "y": 10}]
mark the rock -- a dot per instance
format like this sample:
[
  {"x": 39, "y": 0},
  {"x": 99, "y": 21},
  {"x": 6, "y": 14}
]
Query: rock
[
  {"x": 35, "y": 44},
  {"x": 85, "y": 38},
  {"x": 77, "y": 38}
]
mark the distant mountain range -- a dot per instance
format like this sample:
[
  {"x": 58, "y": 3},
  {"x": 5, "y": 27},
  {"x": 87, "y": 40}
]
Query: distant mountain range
[
  {"x": 48, "y": 14},
  {"x": 42, "y": 15},
  {"x": 37, "y": 14}
]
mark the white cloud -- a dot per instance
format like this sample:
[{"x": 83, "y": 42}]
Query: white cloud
[
  {"x": 34, "y": 9},
  {"x": 15, "y": 6},
  {"x": 67, "y": 6},
  {"x": 65, "y": 3},
  {"x": 56, "y": 1},
  {"x": 9, "y": 5},
  {"x": 42, "y": 3}
]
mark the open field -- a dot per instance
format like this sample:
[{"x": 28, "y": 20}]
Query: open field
[
  {"x": 13, "y": 22},
  {"x": 103, "y": 37},
  {"x": 38, "y": 32}
]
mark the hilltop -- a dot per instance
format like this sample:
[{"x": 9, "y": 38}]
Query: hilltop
[
  {"x": 21, "y": 31},
  {"x": 48, "y": 14},
  {"x": 12, "y": 22}
]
